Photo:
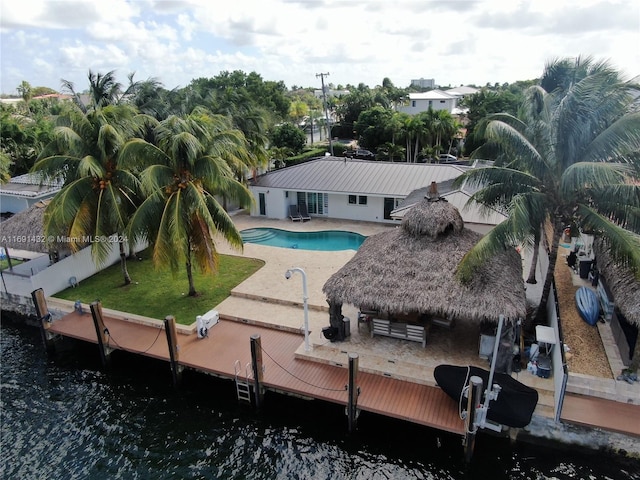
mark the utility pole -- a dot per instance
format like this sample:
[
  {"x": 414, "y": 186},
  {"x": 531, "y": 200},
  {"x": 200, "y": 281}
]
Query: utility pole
[{"x": 326, "y": 112}]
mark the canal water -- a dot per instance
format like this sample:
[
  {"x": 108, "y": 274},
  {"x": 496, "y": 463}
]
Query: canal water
[{"x": 63, "y": 417}]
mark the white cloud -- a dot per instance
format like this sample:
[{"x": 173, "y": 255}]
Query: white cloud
[{"x": 453, "y": 41}]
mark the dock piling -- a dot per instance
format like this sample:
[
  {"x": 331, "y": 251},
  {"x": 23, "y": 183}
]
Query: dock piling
[
  {"x": 474, "y": 398},
  {"x": 172, "y": 343},
  {"x": 354, "y": 391},
  {"x": 101, "y": 332},
  {"x": 44, "y": 318},
  {"x": 258, "y": 369}
]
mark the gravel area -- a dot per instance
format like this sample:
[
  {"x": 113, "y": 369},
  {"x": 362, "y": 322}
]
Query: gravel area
[{"x": 587, "y": 355}]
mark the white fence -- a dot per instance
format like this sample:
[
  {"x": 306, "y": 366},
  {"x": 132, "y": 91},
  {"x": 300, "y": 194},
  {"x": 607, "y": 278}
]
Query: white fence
[
  {"x": 560, "y": 371},
  {"x": 37, "y": 273}
]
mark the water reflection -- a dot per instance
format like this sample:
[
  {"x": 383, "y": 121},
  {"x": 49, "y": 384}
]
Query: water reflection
[{"x": 65, "y": 418}]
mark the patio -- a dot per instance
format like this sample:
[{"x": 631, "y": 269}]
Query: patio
[{"x": 268, "y": 298}]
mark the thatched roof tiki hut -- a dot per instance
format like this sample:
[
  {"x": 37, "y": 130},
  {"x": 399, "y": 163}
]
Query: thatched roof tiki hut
[
  {"x": 411, "y": 270},
  {"x": 625, "y": 288}
]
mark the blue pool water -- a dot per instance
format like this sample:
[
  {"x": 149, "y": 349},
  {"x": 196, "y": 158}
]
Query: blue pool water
[{"x": 327, "y": 240}]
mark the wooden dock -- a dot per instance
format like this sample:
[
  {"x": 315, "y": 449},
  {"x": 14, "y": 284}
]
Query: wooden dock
[{"x": 229, "y": 342}]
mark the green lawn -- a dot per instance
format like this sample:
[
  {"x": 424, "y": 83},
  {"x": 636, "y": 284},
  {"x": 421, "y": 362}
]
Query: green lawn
[
  {"x": 4, "y": 263},
  {"x": 158, "y": 293}
]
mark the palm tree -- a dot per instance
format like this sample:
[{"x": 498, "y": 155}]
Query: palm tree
[
  {"x": 185, "y": 170},
  {"x": 392, "y": 151},
  {"x": 99, "y": 193},
  {"x": 103, "y": 90},
  {"x": 571, "y": 164}
]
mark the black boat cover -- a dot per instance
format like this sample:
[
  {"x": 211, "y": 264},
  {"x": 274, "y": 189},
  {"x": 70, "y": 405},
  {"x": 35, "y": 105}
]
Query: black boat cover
[{"x": 515, "y": 404}]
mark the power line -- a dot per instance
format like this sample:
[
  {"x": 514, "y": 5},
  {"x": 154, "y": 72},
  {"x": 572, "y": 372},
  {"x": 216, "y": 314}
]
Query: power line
[{"x": 326, "y": 112}]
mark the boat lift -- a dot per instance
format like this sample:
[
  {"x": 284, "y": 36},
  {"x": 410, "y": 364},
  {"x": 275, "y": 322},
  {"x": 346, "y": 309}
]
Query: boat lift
[{"x": 475, "y": 416}]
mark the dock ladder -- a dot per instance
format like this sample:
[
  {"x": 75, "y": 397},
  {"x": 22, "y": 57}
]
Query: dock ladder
[{"x": 243, "y": 388}]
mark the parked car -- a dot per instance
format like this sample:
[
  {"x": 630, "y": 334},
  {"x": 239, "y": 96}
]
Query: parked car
[
  {"x": 447, "y": 158},
  {"x": 360, "y": 153}
]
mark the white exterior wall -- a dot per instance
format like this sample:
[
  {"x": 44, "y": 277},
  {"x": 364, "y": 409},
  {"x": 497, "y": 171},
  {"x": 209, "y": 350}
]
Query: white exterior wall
[
  {"x": 277, "y": 206},
  {"x": 373, "y": 211},
  {"x": 16, "y": 204},
  {"x": 13, "y": 204},
  {"x": 276, "y": 202},
  {"x": 423, "y": 106}
]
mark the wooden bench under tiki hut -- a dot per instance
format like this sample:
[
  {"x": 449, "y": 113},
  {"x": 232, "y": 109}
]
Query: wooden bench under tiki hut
[{"x": 409, "y": 272}]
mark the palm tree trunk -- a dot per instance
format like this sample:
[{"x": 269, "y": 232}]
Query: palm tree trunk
[
  {"x": 534, "y": 261},
  {"x": 123, "y": 264},
  {"x": 192, "y": 287},
  {"x": 553, "y": 255}
]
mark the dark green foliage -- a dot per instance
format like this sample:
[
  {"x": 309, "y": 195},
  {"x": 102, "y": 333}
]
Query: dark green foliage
[
  {"x": 289, "y": 136},
  {"x": 483, "y": 104},
  {"x": 372, "y": 128}
]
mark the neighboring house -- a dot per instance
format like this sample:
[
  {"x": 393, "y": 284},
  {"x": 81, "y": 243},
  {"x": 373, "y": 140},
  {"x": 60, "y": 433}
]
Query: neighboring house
[
  {"x": 438, "y": 100},
  {"x": 25, "y": 190},
  {"x": 434, "y": 99},
  {"x": 330, "y": 93},
  {"x": 348, "y": 189},
  {"x": 474, "y": 216},
  {"x": 462, "y": 91}
]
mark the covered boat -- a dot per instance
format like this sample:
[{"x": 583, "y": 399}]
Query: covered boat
[{"x": 515, "y": 404}]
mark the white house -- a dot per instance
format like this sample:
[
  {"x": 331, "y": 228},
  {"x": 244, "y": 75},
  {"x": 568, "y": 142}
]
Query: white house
[
  {"x": 438, "y": 100},
  {"x": 462, "y": 91},
  {"x": 434, "y": 99},
  {"x": 25, "y": 190},
  {"x": 347, "y": 189}
]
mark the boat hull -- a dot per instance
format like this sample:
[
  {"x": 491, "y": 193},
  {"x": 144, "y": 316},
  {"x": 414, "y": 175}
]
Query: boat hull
[
  {"x": 515, "y": 404},
  {"x": 588, "y": 305}
]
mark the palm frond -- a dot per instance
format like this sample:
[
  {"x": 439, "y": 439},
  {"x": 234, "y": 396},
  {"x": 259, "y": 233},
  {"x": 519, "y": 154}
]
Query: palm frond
[
  {"x": 481, "y": 177},
  {"x": 620, "y": 204},
  {"x": 497, "y": 240},
  {"x": 624, "y": 246},
  {"x": 617, "y": 141},
  {"x": 137, "y": 153},
  {"x": 504, "y": 133},
  {"x": 223, "y": 222},
  {"x": 156, "y": 177},
  {"x": 90, "y": 166},
  {"x": 590, "y": 175},
  {"x": 143, "y": 224}
]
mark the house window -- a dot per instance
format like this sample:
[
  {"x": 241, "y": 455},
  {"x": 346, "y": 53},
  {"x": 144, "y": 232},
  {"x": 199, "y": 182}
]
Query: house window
[
  {"x": 357, "y": 200},
  {"x": 430, "y": 103},
  {"x": 442, "y": 101},
  {"x": 413, "y": 103}
]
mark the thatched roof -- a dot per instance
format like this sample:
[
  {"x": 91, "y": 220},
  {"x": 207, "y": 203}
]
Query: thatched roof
[
  {"x": 624, "y": 287},
  {"x": 23, "y": 231},
  {"x": 411, "y": 269}
]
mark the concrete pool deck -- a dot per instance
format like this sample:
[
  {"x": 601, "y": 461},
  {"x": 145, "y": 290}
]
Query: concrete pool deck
[{"x": 268, "y": 298}]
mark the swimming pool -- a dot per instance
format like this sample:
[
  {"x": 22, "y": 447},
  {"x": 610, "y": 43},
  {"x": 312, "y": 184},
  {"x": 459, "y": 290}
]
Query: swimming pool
[{"x": 327, "y": 240}]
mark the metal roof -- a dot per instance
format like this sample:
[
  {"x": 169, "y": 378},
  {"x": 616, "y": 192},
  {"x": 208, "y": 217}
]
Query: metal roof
[
  {"x": 341, "y": 175},
  {"x": 471, "y": 213},
  {"x": 30, "y": 185}
]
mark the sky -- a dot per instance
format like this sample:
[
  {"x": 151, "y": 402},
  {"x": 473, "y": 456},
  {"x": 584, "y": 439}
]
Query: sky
[{"x": 455, "y": 42}]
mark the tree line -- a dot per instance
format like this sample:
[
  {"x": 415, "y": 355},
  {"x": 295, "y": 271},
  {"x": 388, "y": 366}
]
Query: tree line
[{"x": 160, "y": 165}]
